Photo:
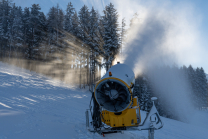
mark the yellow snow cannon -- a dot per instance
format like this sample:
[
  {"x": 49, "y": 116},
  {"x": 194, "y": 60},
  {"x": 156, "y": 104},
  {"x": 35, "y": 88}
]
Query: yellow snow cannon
[
  {"x": 114, "y": 93},
  {"x": 115, "y": 108}
]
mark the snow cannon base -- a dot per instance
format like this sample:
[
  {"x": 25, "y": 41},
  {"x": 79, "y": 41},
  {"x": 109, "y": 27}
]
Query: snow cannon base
[{"x": 114, "y": 108}]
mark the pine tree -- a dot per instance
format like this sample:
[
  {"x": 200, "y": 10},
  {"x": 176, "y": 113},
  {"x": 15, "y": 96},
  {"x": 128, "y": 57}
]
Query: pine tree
[
  {"x": 26, "y": 31},
  {"x": 204, "y": 88},
  {"x": 1, "y": 35},
  {"x": 76, "y": 31},
  {"x": 36, "y": 34},
  {"x": 5, "y": 18},
  {"x": 42, "y": 45},
  {"x": 84, "y": 22},
  {"x": 198, "y": 83},
  {"x": 60, "y": 29},
  {"x": 60, "y": 21},
  {"x": 68, "y": 18},
  {"x": 101, "y": 31},
  {"x": 52, "y": 30},
  {"x": 17, "y": 30},
  {"x": 111, "y": 35},
  {"x": 61, "y": 36},
  {"x": 94, "y": 42},
  {"x": 1, "y": 29},
  {"x": 191, "y": 78},
  {"x": 10, "y": 28},
  {"x": 93, "y": 30}
]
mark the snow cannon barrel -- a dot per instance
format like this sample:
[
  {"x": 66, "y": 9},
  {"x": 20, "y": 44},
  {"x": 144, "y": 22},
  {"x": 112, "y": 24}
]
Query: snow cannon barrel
[{"x": 115, "y": 89}]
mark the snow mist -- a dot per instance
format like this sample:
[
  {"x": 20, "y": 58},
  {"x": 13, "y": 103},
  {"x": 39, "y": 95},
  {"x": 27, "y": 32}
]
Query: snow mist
[{"x": 162, "y": 35}]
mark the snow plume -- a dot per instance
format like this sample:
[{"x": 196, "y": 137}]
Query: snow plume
[{"x": 163, "y": 34}]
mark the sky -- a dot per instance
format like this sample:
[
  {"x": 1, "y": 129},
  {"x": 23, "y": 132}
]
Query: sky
[{"x": 191, "y": 17}]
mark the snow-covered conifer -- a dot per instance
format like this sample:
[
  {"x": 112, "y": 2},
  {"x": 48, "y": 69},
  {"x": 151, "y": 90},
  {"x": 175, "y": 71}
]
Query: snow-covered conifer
[
  {"x": 204, "y": 88},
  {"x": 52, "y": 26},
  {"x": 68, "y": 18},
  {"x": 76, "y": 31},
  {"x": 84, "y": 22},
  {"x": 36, "y": 31},
  {"x": 5, "y": 9},
  {"x": 111, "y": 35},
  {"x": 17, "y": 30},
  {"x": 93, "y": 30},
  {"x": 26, "y": 30}
]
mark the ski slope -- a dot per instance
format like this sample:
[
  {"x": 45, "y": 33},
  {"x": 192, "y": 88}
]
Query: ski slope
[{"x": 36, "y": 107}]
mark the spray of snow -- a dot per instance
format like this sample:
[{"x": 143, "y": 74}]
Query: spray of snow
[{"x": 164, "y": 34}]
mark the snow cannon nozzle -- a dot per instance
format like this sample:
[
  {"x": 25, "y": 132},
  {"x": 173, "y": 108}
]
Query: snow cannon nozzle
[{"x": 153, "y": 99}]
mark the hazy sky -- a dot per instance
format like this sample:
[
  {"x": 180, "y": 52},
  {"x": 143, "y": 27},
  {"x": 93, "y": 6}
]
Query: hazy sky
[{"x": 195, "y": 13}]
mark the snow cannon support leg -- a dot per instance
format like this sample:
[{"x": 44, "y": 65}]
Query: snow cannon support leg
[
  {"x": 151, "y": 133},
  {"x": 152, "y": 121},
  {"x": 87, "y": 119}
]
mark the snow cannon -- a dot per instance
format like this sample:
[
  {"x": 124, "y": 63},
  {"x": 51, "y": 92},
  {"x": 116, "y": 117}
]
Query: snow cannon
[
  {"x": 114, "y": 94},
  {"x": 115, "y": 108}
]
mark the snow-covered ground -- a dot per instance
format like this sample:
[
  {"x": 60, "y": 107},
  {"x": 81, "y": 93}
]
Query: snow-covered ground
[{"x": 36, "y": 107}]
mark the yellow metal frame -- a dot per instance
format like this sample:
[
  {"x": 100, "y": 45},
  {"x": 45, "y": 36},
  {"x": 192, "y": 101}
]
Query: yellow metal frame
[{"x": 126, "y": 118}]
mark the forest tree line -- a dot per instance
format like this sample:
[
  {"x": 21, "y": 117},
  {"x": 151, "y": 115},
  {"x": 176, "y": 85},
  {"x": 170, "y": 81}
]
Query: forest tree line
[{"x": 83, "y": 39}]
